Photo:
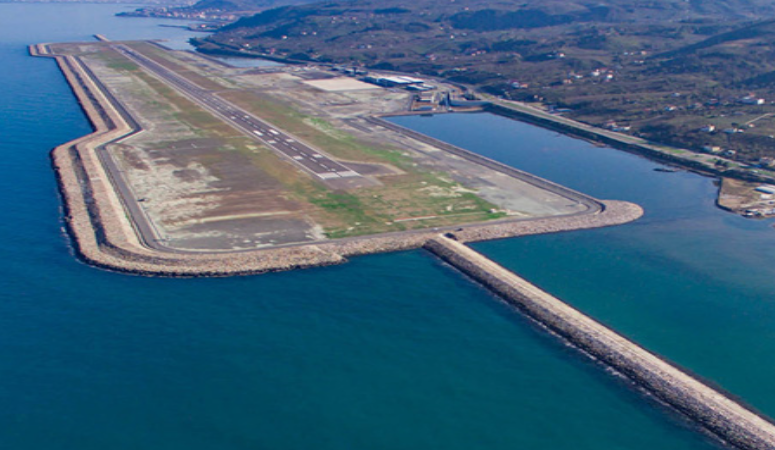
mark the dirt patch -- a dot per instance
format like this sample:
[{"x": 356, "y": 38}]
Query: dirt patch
[
  {"x": 743, "y": 198},
  {"x": 245, "y": 233}
]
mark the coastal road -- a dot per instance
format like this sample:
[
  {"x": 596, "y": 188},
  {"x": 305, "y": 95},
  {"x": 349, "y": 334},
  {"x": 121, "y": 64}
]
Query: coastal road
[{"x": 304, "y": 156}]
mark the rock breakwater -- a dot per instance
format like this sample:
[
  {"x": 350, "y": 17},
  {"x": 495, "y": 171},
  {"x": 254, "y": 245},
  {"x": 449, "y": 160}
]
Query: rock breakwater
[{"x": 727, "y": 419}]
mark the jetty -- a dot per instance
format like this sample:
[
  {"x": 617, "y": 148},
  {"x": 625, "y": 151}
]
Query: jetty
[{"x": 725, "y": 418}]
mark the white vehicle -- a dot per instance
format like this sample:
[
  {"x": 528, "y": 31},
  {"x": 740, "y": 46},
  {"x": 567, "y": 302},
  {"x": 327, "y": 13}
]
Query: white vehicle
[
  {"x": 258, "y": 132},
  {"x": 274, "y": 132}
]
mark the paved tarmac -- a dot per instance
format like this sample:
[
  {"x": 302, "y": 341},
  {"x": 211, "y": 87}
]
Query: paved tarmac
[{"x": 304, "y": 156}]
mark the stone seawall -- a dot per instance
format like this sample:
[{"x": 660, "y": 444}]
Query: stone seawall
[
  {"x": 727, "y": 419},
  {"x": 107, "y": 234}
]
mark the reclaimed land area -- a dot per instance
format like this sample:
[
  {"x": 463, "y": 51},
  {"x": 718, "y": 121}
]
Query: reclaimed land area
[
  {"x": 102, "y": 174},
  {"x": 196, "y": 168}
]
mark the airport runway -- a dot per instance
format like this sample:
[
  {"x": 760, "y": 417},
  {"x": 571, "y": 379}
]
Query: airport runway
[{"x": 304, "y": 156}]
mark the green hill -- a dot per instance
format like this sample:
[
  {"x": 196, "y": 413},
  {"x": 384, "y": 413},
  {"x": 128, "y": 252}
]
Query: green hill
[{"x": 661, "y": 68}]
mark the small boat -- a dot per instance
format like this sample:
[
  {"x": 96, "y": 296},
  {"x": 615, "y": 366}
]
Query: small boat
[{"x": 665, "y": 169}]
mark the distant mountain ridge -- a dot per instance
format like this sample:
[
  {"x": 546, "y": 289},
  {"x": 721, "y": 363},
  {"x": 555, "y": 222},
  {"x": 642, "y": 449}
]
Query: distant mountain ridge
[
  {"x": 486, "y": 15},
  {"x": 379, "y": 25}
]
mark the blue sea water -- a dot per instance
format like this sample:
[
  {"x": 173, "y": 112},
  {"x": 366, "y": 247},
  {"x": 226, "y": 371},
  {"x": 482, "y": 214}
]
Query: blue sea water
[
  {"x": 688, "y": 281},
  {"x": 387, "y": 351}
]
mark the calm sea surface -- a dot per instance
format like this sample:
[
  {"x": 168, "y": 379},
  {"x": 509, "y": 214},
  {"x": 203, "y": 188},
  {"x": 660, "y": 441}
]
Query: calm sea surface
[{"x": 386, "y": 352}]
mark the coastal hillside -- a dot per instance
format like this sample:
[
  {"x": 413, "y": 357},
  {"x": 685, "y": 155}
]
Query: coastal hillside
[
  {"x": 663, "y": 69},
  {"x": 241, "y": 5},
  {"x": 222, "y": 11}
]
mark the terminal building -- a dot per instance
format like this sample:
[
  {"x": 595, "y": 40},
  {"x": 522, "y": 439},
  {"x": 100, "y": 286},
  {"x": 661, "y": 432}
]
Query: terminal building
[{"x": 411, "y": 83}]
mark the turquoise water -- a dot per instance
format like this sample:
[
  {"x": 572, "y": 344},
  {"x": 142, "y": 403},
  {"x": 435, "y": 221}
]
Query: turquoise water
[{"x": 388, "y": 351}]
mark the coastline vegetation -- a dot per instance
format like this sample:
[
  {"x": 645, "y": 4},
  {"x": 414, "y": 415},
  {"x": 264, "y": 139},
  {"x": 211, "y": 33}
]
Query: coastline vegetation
[{"x": 684, "y": 74}]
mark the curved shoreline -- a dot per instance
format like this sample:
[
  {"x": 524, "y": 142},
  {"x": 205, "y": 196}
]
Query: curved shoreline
[{"x": 107, "y": 233}]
